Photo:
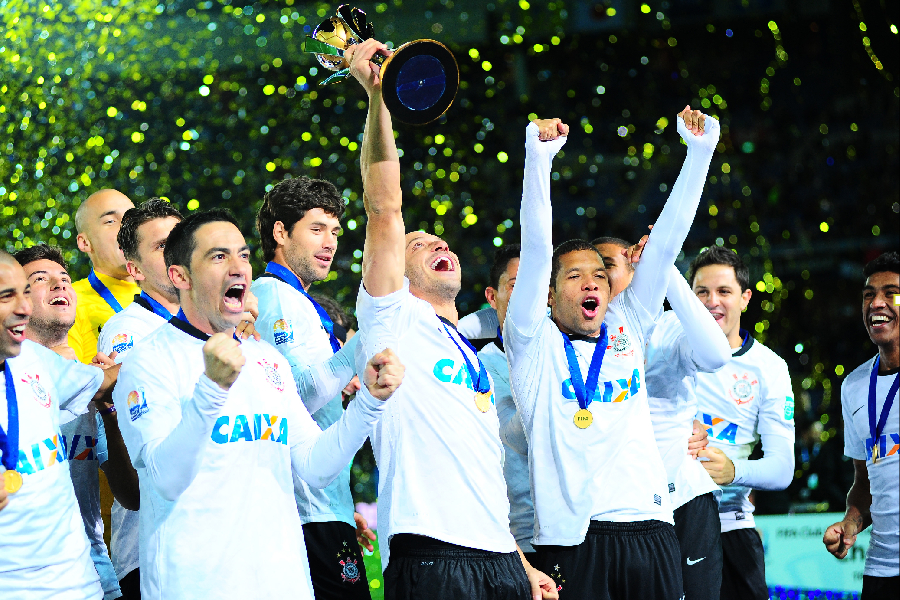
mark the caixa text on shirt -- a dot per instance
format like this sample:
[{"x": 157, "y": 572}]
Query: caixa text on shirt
[
  {"x": 43, "y": 455},
  {"x": 238, "y": 428},
  {"x": 720, "y": 429},
  {"x": 618, "y": 390},
  {"x": 888, "y": 445}
]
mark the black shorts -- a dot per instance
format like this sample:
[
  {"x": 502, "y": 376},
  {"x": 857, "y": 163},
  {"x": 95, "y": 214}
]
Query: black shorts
[
  {"x": 698, "y": 529},
  {"x": 743, "y": 566},
  {"x": 335, "y": 562},
  {"x": 131, "y": 585},
  {"x": 880, "y": 588},
  {"x": 422, "y": 568},
  {"x": 616, "y": 561}
]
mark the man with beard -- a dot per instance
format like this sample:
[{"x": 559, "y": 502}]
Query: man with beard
[
  {"x": 216, "y": 429},
  {"x": 603, "y": 522},
  {"x": 299, "y": 223},
  {"x": 109, "y": 287},
  {"x": 872, "y": 437},
  {"x": 89, "y": 443},
  {"x": 44, "y": 552},
  {"x": 443, "y": 516}
]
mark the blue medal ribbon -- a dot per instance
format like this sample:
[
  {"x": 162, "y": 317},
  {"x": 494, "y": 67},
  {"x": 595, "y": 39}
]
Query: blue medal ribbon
[
  {"x": 288, "y": 277},
  {"x": 482, "y": 382},
  {"x": 103, "y": 291},
  {"x": 586, "y": 390},
  {"x": 9, "y": 441},
  {"x": 156, "y": 307},
  {"x": 875, "y": 430}
]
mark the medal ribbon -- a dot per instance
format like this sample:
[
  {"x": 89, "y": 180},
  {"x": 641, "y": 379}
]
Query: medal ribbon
[
  {"x": 157, "y": 308},
  {"x": 9, "y": 441},
  {"x": 482, "y": 383},
  {"x": 285, "y": 275},
  {"x": 586, "y": 390},
  {"x": 875, "y": 430},
  {"x": 103, "y": 291}
]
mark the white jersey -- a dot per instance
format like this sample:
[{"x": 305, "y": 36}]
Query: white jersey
[
  {"x": 588, "y": 474},
  {"x": 234, "y": 531},
  {"x": 86, "y": 451},
  {"x": 884, "y": 475},
  {"x": 44, "y": 552},
  {"x": 515, "y": 447},
  {"x": 120, "y": 334},
  {"x": 750, "y": 396},
  {"x": 671, "y": 383},
  {"x": 439, "y": 457},
  {"x": 289, "y": 321}
]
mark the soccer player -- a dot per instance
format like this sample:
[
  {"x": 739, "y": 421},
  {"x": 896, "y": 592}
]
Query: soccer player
[
  {"x": 216, "y": 429},
  {"x": 603, "y": 521},
  {"x": 748, "y": 400},
  {"x": 443, "y": 516},
  {"x": 515, "y": 446},
  {"x": 142, "y": 238},
  {"x": 109, "y": 287},
  {"x": 44, "y": 552},
  {"x": 54, "y": 304},
  {"x": 299, "y": 223},
  {"x": 872, "y": 437}
]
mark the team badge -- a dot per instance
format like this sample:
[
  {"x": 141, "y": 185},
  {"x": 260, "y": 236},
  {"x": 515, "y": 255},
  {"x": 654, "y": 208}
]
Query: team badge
[
  {"x": 284, "y": 332},
  {"x": 137, "y": 404},
  {"x": 349, "y": 565},
  {"x": 272, "y": 374},
  {"x": 620, "y": 343},
  {"x": 40, "y": 392},
  {"x": 742, "y": 389},
  {"x": 122, "y": 342}
]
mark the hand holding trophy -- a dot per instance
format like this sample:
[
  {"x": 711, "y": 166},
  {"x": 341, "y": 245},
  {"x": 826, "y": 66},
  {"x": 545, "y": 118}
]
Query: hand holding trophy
[{"x": 419, "y": 80}]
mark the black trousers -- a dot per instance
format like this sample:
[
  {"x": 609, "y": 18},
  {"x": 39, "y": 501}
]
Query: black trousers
[
  {"x": 335, "y": 562},
  {"x": 880, "y": 588},
  {"x": 131, "y": 585},
  {"x": 699, "y": 533},
  {"x": 743, "y": 566},
  {"x": 422, "y": 568},
  {"x": 616, "y": 561}
]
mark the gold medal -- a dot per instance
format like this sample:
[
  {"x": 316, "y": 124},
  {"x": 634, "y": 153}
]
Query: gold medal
[
  {"x": 483, "y": 401},
  {"x": 875, "y": 453},
  {"x": 583, "y": 418},
  {"x": 12, "y": 481}
]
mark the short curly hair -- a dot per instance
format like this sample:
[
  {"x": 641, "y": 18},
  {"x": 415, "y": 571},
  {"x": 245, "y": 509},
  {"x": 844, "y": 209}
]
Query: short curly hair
[
  {"x": 289, "y": 202},
  {"x": 889, "y": 261},
  {"x": 41, "y": 252},
  {"x": 154, "y": 208}
]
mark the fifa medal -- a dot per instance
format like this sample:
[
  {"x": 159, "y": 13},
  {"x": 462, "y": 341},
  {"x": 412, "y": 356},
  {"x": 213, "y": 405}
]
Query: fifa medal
[
  {"x": 875, "y": 452},
  {"x": 12, "y": 481},
  {"x": 483, "y": 401},
  {"x": 583, "y": 418}
]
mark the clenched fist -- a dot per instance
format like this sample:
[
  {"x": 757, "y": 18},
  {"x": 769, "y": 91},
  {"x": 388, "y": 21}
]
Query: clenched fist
[
  {"x": 224, "y": 359},
  {"x": 384, "y": 373}
]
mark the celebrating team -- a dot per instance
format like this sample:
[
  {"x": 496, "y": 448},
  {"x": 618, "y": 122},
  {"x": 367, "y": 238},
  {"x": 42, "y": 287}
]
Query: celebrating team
[{"x": 597, "y": 447}]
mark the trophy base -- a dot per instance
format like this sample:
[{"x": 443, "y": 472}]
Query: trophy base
[{"x": 419, "y": 81}]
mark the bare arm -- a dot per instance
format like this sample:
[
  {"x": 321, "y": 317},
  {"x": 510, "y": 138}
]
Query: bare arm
[
  {"x": 842, "y": 535},
  {"x": 383, "y": 253},
  {"x": 121, "y": 474}
]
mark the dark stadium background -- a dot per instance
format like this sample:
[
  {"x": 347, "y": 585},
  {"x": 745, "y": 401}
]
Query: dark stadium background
[{"x": 207, "y": 103}]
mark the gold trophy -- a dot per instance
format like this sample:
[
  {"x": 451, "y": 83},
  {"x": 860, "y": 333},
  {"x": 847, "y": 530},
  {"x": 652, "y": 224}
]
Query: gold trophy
[{"x": 419, "y": 80}]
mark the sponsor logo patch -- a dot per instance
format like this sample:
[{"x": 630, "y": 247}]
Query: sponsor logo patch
[
  {"x": 41, "y": 395},
  {"x": 284, "y": 332},
  {"x": 137, "y": 404},
  {"x": 671, "y": 488},
  {"x": 788, "y": 408},
  {"x": 657, "y": 499},
  {"x": 122, "y": 342}
]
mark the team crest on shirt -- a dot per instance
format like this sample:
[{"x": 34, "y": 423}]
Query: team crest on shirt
[
  {"x": 349, "y": 565},
  {"x": 40, "y": 392},
  {"x": 620, "y": 343},
  {"x": 137, "y": 404},
  {"x": 272, "y": 374},
  {"x": 122, "y": 342},
  {"x": 743, "y": 389},
  {"x": 284, "y": 332}
]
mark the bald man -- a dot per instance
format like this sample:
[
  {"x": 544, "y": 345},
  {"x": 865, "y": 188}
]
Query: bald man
[{"x": 109, "y": 288}]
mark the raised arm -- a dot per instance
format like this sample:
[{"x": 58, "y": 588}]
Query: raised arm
[
  {"x": 528, "y": 303},
  {"x": 320, "y": 383},
  {"x": 383, "y": 253},
  {"x": 709, "y": 348},
  {"x": 674, "y": 222}
]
